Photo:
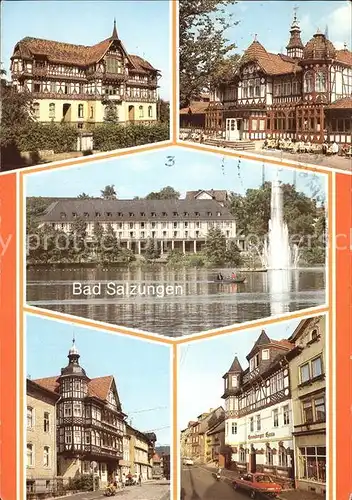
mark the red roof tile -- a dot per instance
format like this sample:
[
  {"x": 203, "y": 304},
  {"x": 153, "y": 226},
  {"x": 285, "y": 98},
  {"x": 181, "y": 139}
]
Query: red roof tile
[
  {"x": 68, "y": 53},
  {"x": 345, "y": 103},
  {"x": 97, "y": 387},
  {"x": 344, "y": 56},
  {"x": 196, "y": 107},
  {"x": 272, "y": 64}
]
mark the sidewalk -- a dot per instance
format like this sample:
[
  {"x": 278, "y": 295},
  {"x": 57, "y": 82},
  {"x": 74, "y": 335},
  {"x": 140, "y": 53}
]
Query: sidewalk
[{"x": 300, "y": 495}]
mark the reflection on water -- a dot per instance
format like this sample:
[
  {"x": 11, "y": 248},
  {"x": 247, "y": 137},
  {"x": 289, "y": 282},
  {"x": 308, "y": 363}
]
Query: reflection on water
[{"x": 203, "y": 304}]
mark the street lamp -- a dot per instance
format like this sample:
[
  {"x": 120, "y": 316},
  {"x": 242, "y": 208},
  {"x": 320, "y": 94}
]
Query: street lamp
[{"x": 93, "y": 466}]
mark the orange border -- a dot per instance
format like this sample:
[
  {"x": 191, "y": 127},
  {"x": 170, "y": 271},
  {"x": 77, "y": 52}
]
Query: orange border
[
  {"x": 344, "y": 339},
  {"x": 8, "y": 314}
]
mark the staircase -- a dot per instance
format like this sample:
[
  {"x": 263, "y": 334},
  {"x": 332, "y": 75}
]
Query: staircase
[{"x": 238, "y": 145}]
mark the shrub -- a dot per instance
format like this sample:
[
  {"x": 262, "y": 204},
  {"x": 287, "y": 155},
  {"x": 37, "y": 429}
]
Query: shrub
[
  {"x": 59, "y": 137},
  {"x": 109, "y": 136}
]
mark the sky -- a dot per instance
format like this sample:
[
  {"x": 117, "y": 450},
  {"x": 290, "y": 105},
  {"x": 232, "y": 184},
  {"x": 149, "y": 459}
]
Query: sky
[
  {"x": 143, "y": 27},
  {"x": 271, "y": 22},
  {"x": 141, "y": 173},
  {"x": 141, "y": 369},
  {"x": 203, "y": 363}
]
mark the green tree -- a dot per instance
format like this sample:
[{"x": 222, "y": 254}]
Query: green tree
[
  {"x": 78, "y": 248},
  {"x": 163, "y": 110},
  {"x": 98, "y": 235},
  {"x": 110, "y": 245},
  {"x": 35, "y": 208},
  {"x": 215, "y": 246},
  {"x": 233, "y": 254},
  {"x": 166, "y": 193},
  {"x": 84, "y": 196},
  {"x": 206, "y": 57},
  {"x": 109, "y": 193},
  {"x": 152, "y": 251}
]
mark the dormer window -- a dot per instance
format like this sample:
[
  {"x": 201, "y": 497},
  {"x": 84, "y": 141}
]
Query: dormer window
[
  {"x": 265, "y": 354},
  {"x": 86, "y": 215},
  {"x": 164, "y": 214},
  {"x": 119, "y": 214},
  {"x": 197, "y": 214},
  {"x": 254, "y": 362},
  {"x": 153, "y": 214},
  {"x": 175, "y": 214},
  {"x": 314, "y": 334},
  {"x": 234, "y": 381},
  {"x": 62, "y": 215},
  {"x": 108, "y": 214},
  {"x": 186, "y": 214},
  {"x": 97, "y": 214},
  {"x": 142, "y": 214},
  {"x": 218, "y": 214},
  {"x": 209, "y": 214},
  {"x": 131, "y": 214},
  {"x": 74, "y": 215}
]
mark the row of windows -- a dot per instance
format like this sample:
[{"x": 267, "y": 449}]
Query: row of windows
[
  {"x": 80, "y": 111},
  {"x": 31, "y": 419},
  {"x": 31, "y": 456},
  {"x": 91, "y": 437},
  {"x": 315, "y": 82},
  {"x": 269, "y": 456},
  {"x": 86, "y": 215}
]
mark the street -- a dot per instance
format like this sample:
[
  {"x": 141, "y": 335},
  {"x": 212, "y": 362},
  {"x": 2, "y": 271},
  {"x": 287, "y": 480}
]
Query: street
[
  {"x": 199, "y": 484},
  {"x": 148, "y": 491}
]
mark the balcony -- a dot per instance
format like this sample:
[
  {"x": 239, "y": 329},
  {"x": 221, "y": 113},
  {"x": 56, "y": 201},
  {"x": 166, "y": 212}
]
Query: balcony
[{"x": 251, "y": 375}]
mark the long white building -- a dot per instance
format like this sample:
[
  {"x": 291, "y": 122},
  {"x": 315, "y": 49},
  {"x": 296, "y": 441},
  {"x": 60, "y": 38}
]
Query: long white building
[{"x": 172, "y": 224}]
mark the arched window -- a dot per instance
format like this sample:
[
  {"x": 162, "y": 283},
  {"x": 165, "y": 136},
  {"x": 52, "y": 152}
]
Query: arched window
[
  {"x": 150, "y": 112},
  {"x": 282, "y": 457},
  {"x": 52, "y": 110},
  {"x": 320, "y": 81},
  {"x": 269, "y": 455},
  {"x": 80, "y": 110},
  {"x": 141, "y": 112},
  {"x": 309, "y": 82},
  {"x": 36, "y": 110},
  {"x": 91, "y": 112},
  {"x": 97, "y": 439}
]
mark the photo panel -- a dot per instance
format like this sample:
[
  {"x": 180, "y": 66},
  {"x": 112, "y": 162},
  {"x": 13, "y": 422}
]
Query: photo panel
[
  {"x": 274, "y": 78},
  {"x": 100, "y": 85},
  {"x": 254, "y": 419},
  {"x": 97, "y": 417},
  {"x": 176, "y": 242}
]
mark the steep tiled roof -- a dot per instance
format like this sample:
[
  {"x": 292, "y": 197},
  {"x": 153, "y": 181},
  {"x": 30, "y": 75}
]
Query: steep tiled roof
[
  {"x": 68, "y": 53},
  {"x": 319, "y": 47},
  {"x": 196, "y": 107},
  {"x": 236, "y": 366},
  {"x": 345, "y": 103},
  {"x": 216, "y": 194},
  {"x": 272, "y": 64},
  {"x": 344, "y": 56},
  {"x": 97, "y": 387}
]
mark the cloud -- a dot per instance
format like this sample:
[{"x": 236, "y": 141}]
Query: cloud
[{"x": 339, "y": 23}]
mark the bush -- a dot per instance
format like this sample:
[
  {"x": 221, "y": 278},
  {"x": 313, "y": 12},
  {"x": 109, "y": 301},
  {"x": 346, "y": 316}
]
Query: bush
[
  {"x": 109, "y": 136},
  {"x": 59, "y": 137},
  {"x": 83, "y": 483}
]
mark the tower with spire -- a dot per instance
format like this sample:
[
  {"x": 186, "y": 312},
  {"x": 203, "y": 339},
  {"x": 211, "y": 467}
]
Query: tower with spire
[{"x": 295, "y": 46}]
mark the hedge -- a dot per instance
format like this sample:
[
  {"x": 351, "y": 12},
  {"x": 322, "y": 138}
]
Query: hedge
[
  {"x": 60, "y": 138},
  {"x": 109, "y": 136}
]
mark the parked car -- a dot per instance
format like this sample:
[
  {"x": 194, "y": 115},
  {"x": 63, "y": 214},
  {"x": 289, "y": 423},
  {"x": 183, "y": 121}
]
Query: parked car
[
  {"x": 258, "y": 483},
  {"x": 188, "y": 461}
]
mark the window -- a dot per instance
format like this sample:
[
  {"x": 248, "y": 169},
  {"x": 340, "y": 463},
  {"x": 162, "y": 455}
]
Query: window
[
  {"x": 312, "y": 463},
  {"x": 265, "y": 354},
  {"x": 36, "y": 87},
  {"x": 80, "y": 110},
  {"x": 77, "y": 409},
  {"x": 234, "y": 428},
  {"x": 150, "y": 112},
  {"x": 68, "y": 436},
  {"x": 67, "y": 410},
  {"x": 269, "y": 456},
  {"x": 259, "y": 426},
  {"x": 313, "y": 410},
  {"x": 52, "y": 110},
  {"x": 78, "y": 437},
  {"x": 234, "y": 380},
  {"x": 317, "y": 368},
  {"x": 304, "y": 373},
  {"x": 36, "y": 110},
  {"x": 276, "y": 418},
  {"x": 320, "y": 82},
  {"x": 286, "y": 414},
  {"x": 282, "y": 457},
  {"x": 251, "y": 424},
  {"x": 30, "y": 417},
  {"x": 242, "y": 455},
  {"x": 46, "y": 456},
  {"x": 309, "y": 82},
  {"x": 141, "y": 112},
  {"x": 46, "y": 421},
  {"x": 30, "y": 455}
]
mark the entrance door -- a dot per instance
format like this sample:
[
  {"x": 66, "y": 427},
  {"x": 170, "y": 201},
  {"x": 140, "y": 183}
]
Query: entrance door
[
  {"x": 253, "y": 461},
  {"x": 66, "y": 112},
  {"x": 131, "y": 113},
  {"x": 232, "y": 131}
]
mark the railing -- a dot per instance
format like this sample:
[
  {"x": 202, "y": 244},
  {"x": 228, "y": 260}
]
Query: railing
[{"x": 251, "y": 375}]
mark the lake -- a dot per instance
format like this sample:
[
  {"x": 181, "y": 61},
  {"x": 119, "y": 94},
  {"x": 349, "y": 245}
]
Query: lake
[{"x": 197, "y": 304}]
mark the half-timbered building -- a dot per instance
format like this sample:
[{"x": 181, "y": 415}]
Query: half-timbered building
[
  {"x": 304, "y": 95},
  {"x": 75, "y": 83},
  {"x": 90, "y": 421},
  {"x": 258, "y": 409}
]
